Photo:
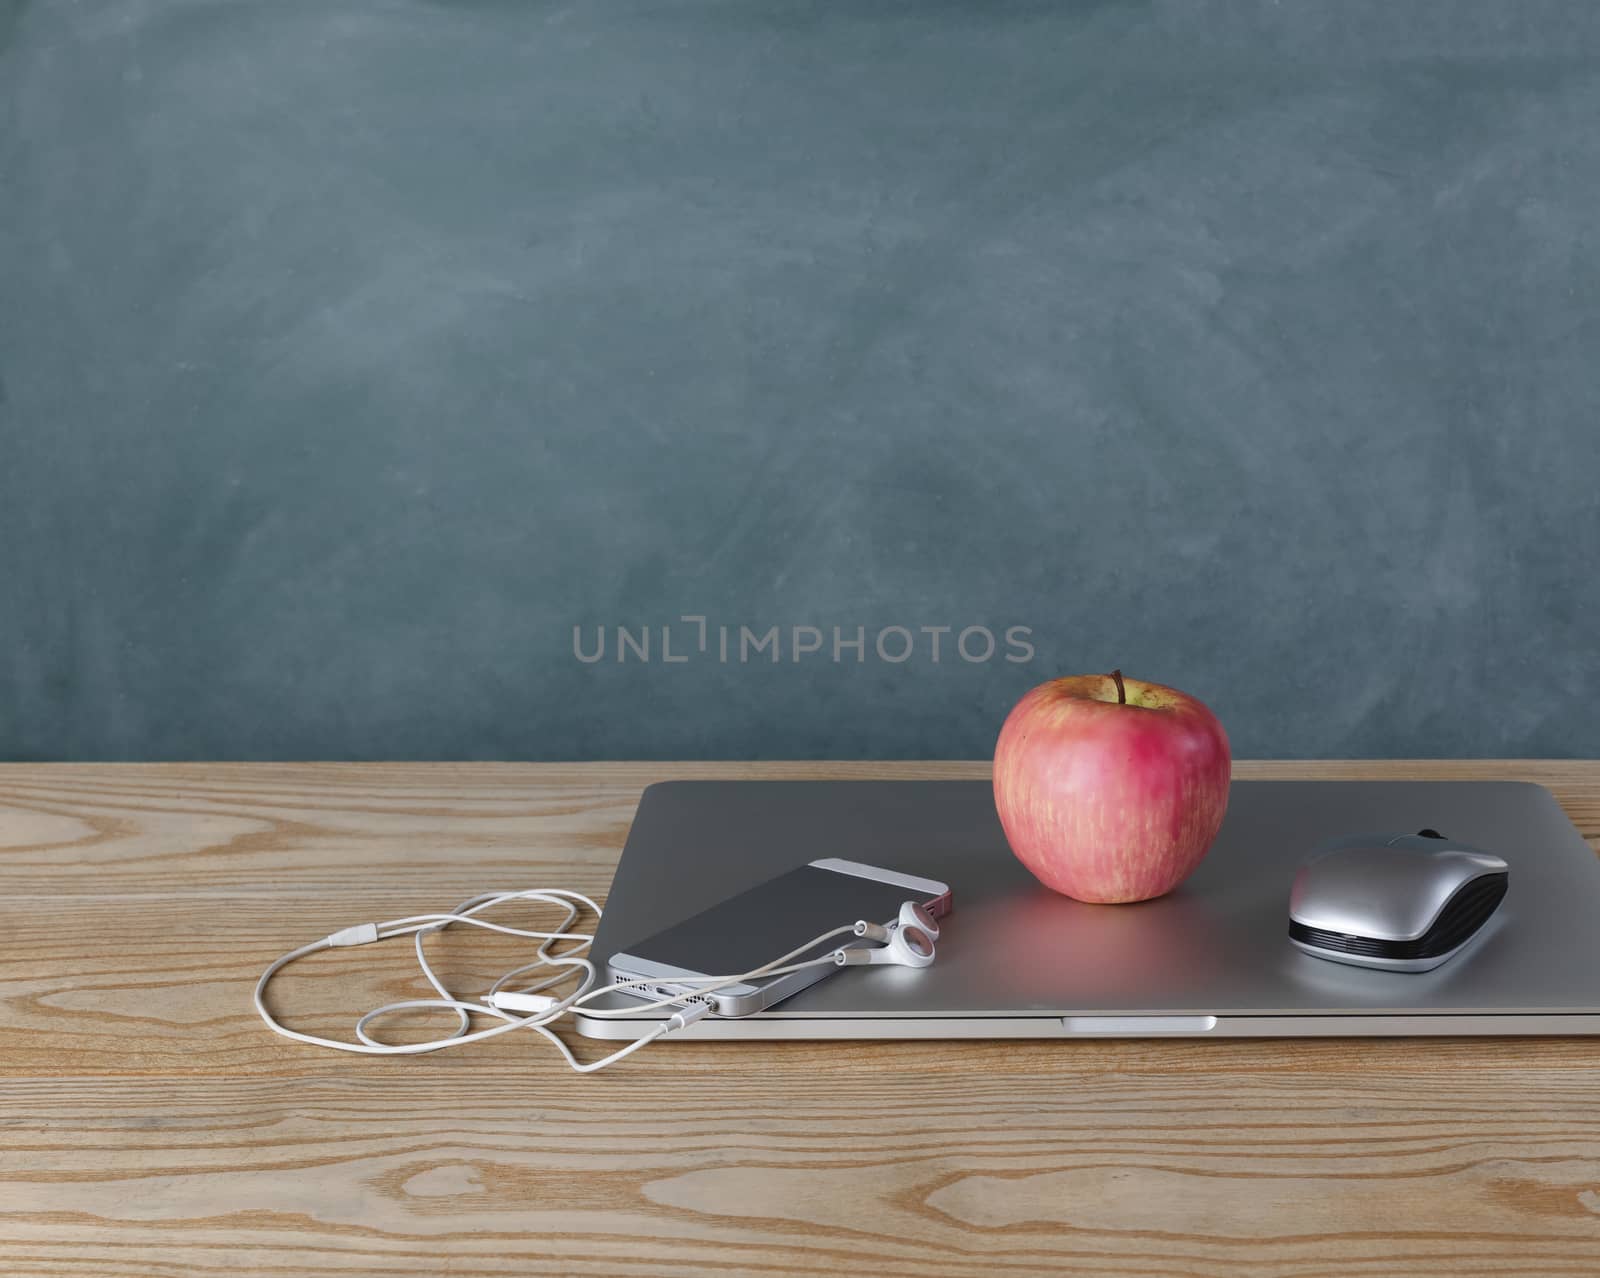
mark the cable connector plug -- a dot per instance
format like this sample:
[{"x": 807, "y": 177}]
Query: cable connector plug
[
  {"x": 511, "y": 1001},
  {"x": 687, "y": 1016},
  {"x": 360, "y": 934}
]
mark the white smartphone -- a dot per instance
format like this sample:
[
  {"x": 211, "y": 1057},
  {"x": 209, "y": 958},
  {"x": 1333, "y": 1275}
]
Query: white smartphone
[{"x": 769, "y": 920}]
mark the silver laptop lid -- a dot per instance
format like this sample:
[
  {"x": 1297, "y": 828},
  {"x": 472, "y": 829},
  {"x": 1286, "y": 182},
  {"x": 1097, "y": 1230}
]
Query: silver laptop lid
[{"x": 1216, "y": 948}]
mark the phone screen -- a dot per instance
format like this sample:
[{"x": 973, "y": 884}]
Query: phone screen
[{"x": 772, "y": 918}]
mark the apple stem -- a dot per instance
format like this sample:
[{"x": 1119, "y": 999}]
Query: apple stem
[{"x": 1122, "y": 693}]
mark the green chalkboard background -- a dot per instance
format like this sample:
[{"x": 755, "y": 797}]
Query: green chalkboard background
[{"x": 354, "y": 352}]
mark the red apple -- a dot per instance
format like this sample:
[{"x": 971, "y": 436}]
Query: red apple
[{"x": 1111, "y": 789}]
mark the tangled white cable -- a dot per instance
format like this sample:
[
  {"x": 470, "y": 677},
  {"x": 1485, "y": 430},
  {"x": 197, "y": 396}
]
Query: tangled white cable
[{"x": 539, "y": 1009}]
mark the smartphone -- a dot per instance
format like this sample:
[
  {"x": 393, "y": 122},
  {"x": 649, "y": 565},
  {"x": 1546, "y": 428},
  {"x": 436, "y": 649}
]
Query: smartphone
[{"x": 769, "y": 920}]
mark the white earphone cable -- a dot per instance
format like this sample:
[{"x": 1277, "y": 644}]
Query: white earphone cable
[{"x": 570, "y": 962}]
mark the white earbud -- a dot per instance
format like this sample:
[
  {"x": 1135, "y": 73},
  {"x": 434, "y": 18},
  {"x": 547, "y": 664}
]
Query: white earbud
[
  {"x": 911, "y": 915},
  {"x": 904, "y": 946}
]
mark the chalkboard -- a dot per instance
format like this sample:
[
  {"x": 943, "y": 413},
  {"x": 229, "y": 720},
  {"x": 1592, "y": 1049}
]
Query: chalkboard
[{"x": 659, "y": 378}]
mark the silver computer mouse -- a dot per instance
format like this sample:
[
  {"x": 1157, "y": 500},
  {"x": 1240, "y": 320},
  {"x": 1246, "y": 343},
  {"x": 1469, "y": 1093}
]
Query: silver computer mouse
[{"x": 1403, "y": 902}]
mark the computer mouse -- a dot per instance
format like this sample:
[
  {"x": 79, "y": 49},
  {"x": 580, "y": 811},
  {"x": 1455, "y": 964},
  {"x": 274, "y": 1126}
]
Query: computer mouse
[{"x": 1402, "y": 902}]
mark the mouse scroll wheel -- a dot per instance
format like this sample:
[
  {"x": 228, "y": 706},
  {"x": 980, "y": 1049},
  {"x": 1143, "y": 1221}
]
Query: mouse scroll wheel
[{"x": 1429, "y": 834}]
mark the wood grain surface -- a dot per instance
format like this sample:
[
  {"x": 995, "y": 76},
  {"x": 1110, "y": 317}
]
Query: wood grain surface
[{"x": 150, "y": 1125}]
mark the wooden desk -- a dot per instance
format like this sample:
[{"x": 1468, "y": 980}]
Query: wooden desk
[{"x": 151, "y": 1126}]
